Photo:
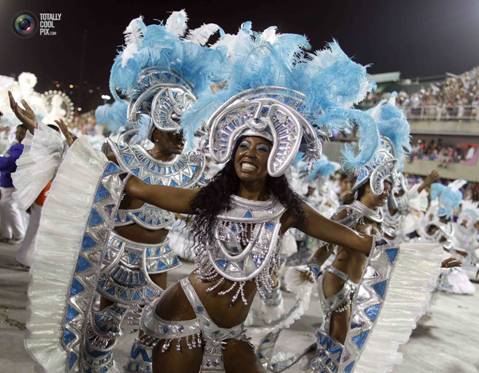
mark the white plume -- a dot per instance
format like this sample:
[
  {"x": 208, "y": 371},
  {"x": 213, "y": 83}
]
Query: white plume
[
  {"x": 270, "y": 35},
  {"x": 133, "y": 36},
  {"x": 176, "y": 23},
  {"x": 457, "y": 184},
  {"x": 27, "y": 81},
  {"x": 202, "y": 34}
]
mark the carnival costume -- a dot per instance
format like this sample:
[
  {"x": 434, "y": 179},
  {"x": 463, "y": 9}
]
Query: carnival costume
[
  {"x": 437, "y": 225},
  {"x": 167, "y": 75},
  {"x": 36, "y": 168},
  {"x": 313, "y": 184},
  {"x": 465, "y": 237},
  {"x": 274, "y": 89},
  {"x": 279, "y": 115}
]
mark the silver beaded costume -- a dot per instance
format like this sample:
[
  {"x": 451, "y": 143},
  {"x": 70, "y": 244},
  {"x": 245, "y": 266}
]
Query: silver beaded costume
[
  {"x": 158, "y": 97},
  {"x": 364, "y": 298}
]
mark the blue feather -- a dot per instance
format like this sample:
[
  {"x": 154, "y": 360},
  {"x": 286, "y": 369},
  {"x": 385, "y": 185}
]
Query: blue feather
[
  {"x": 113, "y": 115},
  {"x": 143, "y": 127},
  {"x": 368, "y": 134},
  {"x": 392, "y": 123},
  {"x": 449, "y": 199},
  {"x": 322, "y": 167}
]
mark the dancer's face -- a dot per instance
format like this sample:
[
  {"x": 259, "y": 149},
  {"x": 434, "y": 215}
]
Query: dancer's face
[
  {"x": 251, "y": 158},
  {"x": 168, "y": 141},
  {"x": 374, "y": 201}
]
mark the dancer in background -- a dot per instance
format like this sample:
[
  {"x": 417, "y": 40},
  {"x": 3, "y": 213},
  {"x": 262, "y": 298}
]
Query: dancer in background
[
  {"x": 12, "y": 228},
  {"x": 36, "y": 168},
  {"x": 361, "y": 328},
  {"x": 138, "y": 254}
]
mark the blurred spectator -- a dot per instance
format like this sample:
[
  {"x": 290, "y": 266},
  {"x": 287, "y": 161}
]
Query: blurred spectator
[
  {"x": 11, "y": 222},
  {"x": 438, "y": 151}
]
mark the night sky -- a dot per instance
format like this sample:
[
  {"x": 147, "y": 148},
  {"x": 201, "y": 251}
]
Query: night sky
[{"x": 415, "y": 37}]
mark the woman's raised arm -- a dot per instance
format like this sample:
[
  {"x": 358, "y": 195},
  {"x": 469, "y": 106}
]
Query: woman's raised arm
[
  {"x": 317, "y": 226},
  {"x": 173, "y": 199}
]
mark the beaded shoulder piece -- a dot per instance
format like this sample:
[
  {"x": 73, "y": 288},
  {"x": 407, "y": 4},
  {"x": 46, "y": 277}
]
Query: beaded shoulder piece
[
  {"x": 356, "y": 211},
  {"x": 185, "y": 171},
  {"x": 245, "y": 247}
]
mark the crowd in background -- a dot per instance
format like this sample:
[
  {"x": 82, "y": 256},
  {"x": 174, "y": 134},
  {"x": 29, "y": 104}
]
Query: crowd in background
[
  {"x": 456, "y": 97},
  {"x": 445, "y": 153}
]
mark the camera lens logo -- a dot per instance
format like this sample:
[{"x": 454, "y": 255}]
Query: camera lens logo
[{"x": 25, "y": 24}]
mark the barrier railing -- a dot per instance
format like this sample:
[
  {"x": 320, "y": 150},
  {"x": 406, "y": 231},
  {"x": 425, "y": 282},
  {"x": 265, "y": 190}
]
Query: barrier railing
[{"x": 435, "y": 112}]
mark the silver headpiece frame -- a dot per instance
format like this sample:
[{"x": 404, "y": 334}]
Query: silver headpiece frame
[{"x": 269, "y": 112}]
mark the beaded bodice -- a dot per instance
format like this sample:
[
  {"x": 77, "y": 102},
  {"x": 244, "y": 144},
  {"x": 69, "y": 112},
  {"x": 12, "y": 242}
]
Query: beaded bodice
[{"x": 245, "y": 247}]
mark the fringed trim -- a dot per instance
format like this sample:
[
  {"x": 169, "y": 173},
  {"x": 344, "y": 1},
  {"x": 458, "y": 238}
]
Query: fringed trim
[
  {"x": 411, "y": 285},
  {"x": 59, "y": 240},
  {"x": 191, "y": 341}
]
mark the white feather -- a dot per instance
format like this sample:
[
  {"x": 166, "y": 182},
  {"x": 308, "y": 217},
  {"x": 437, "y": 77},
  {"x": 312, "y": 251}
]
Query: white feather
[
  {"x": 133, "y": 36},
  {"x": 270, "y": 35},
  {"x": 202, "y": 34},
  {"x": 176, "y": 23},
  {"x": 457, "y": 184}
]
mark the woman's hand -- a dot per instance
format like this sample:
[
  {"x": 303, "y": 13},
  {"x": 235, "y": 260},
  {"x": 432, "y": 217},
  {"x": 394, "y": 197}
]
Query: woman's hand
[
  {"x": 24, "y": 115},
  {"x": 451, "y": 263},
  {"x": 70, "y": 138}
]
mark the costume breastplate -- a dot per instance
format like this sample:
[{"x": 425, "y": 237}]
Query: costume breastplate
[
  {"x": 245, "y": 246},
  {"x": 185, "y": 171}
]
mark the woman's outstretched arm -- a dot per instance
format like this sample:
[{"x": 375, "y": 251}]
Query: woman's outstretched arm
[
  {"x": 317, "y": 226},
  {"x": 173, "y": 199}
]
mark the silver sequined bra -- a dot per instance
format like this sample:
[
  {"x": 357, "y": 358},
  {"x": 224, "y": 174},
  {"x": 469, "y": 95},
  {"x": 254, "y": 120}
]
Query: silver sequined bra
[
  {"x": 185, "y": 171},
  {"x": 245, "y": 247}
]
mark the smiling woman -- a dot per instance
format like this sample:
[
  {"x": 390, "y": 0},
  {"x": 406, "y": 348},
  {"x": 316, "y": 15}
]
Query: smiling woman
[{"x": 238, "y": 220}]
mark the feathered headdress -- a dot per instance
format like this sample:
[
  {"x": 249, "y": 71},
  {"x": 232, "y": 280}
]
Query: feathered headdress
[
  {"x": 315, "y": 90},
  {"x": 387, "y": 159},
  {"x": 161, "y": 73},
  {"x": 322, "y": 168},
  {"x": 449, "y": 197}
]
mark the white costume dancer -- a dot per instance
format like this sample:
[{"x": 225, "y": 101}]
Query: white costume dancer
[
  {"x": 437, "y": 225},
  {"x": 36, "y": 168},
  {"x": 465, "y": 237}
]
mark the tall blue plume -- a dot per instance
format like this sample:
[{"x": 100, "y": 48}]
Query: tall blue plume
[{"x": 392, "y": 123}]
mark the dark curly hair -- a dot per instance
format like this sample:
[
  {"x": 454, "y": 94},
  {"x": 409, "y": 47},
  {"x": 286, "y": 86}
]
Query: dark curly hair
[{"x": 214, "y": 198}]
